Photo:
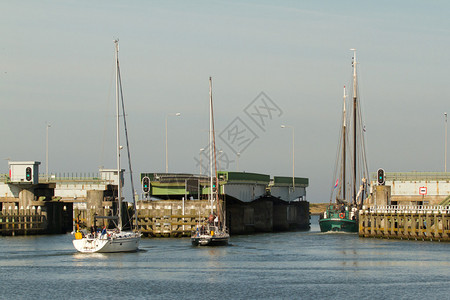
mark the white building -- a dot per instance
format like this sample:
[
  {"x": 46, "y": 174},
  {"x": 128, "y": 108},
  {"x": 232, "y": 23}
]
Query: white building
[{"x": 416, "y": 188}]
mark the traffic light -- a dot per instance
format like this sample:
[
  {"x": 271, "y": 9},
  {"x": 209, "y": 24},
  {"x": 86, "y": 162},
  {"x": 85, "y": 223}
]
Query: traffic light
[
  {"x": 28, "y": 173},
  {"x": 146, "y": 184},
  {"x": 380, "y": 177}
]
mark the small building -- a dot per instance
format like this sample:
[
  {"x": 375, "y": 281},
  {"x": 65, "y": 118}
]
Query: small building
[
  {"x": 51, "y": 199},
  {"x": 28, "y": 206},
  {"x": 24, "y": 171},
  {"x": 412, "y": 188}
]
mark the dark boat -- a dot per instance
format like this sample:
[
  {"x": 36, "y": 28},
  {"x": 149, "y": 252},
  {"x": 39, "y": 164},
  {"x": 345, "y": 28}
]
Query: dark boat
[
  {"x": 339, "y": 218},
  {"x": 342, "y": 216},
  {"x": 214, "y": 231},
  {"x": 210, "y": 235}
]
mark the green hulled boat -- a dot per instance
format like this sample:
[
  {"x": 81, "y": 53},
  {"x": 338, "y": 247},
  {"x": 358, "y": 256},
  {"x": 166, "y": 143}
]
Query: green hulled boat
[
  {"x": 337, "y": 219},
  {"x": 343, "y": 215}
]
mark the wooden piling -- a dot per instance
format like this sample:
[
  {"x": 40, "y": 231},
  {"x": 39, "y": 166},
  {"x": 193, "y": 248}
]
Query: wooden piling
[
  {"x": 428, "y": 223},
  {"x": 166, "y": 218},
  {"x": 21, "y": 222}
]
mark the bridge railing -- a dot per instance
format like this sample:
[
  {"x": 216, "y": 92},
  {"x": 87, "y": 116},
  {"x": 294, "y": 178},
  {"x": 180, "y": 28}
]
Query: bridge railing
[
  {"x": 407, "y": 209},
  {"x": 413, "y": 176}
]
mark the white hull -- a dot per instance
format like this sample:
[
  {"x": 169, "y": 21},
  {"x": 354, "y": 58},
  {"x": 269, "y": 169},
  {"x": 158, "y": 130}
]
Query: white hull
[{"x": 125, "y": 241}]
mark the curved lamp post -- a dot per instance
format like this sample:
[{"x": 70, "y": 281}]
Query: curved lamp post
[
  {"x": 167, "y": 159},
  {"x": 293, "y": 155}
]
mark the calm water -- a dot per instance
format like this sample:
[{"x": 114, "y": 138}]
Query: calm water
[{"x": 295, "y": 265}]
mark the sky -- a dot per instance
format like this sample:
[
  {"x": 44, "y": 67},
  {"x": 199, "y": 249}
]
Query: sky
[{"x": 290, "y": 59}]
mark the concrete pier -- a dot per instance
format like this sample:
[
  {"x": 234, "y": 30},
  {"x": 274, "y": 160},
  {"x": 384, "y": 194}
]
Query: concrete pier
[
  {"x": 427, "y": 223},
  {"x": 173, "y": 205},
  {"x": 50, "y": 217},
  {"x": 253, "y": 203},
  {"x": 165, "y": 218}
]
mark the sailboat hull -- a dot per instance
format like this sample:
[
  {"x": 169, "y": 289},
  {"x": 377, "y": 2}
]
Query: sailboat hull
[
  {"x": 209, "y": 241},
  {"x": 210, "y": 236},
  {"x": 122, "y": 242},
  {"x": 206, "y": 240}
]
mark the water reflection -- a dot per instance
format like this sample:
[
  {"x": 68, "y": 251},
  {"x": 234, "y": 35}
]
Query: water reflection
[{"x": 283, "y": 265}]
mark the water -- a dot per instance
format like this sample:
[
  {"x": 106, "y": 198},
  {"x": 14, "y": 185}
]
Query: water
[{"x": 294, "y": 265}]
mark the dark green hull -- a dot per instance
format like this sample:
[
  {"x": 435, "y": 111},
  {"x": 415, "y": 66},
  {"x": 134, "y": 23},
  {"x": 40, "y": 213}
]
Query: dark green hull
[
  {"x": 338, "y": 225},
  {"x": 339, "y": 218}
]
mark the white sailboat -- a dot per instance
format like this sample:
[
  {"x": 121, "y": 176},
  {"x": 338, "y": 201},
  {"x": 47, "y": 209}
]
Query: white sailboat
[
  {"x": 214, "y": 232},
  {"x": 117, "y": 239}
]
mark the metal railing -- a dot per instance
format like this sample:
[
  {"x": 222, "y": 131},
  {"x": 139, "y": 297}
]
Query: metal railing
[
  {"x": 408, "y": 209},
  {"x": 413, "y": 176},
  {"x": 4, "y": 177},
  {"x": 65, "y": 177}
]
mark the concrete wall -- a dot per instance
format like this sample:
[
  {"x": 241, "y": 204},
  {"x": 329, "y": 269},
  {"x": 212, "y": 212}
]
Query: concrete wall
[
  {"x": 268, "y": 214},
  {"x": 381, "y": 196},
  {"x": 244, "y": 192},
  {"x": 9, "y": 190},
  {"x": 164, "y": 217},
  {"x": 26, "y": 197},
  {"x": 406, "y": 192},
  {"x": 290, "y": 216},
  {"x": 67, "y": 191},
  {"x": 286, "y": 193},
  {"x": 411, "y": 188}
]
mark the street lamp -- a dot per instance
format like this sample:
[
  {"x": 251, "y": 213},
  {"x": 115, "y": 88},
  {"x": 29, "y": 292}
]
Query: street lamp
[
  {"x": 218, "y": 159},
  {"x": 167, "y": 160},
  {"x": 293, "y": 155},
  {"x": 48, "y": 125},
  {"x": 237, "y": 161},
  {"x": 445, "y": 151},
  {"x": 200, "y": 155}
]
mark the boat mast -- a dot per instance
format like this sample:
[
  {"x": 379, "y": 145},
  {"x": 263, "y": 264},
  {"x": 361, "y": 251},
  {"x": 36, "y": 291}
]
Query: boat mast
[
  {"x": 355, "y": 97},
  {"x": 344, "y": 134},
  {"x": 211, "y": 145},
  {"x": 128, "y": 151},
  {"x": 119, "y": 189},
  {"x": 216, "y": 177}
]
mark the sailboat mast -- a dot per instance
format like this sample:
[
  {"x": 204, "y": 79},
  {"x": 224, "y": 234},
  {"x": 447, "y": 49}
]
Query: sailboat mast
[
  {"x": 128, "y": 151},
  {"x": 211, "y": 153},
  {"x": 344, "y": 145},
  {"x": 119, "y": 188},
  {"x": 355, "y": 96}
]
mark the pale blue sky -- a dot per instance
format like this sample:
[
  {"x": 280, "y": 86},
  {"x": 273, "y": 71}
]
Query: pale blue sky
[{"x": 56, "y": 65}]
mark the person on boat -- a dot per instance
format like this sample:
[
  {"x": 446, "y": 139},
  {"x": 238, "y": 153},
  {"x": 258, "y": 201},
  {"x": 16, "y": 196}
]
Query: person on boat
[
  {"x": 211, "y": 219},
  {"x": 216, "y": 221},
  {"x": 202, "y": 230}
]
